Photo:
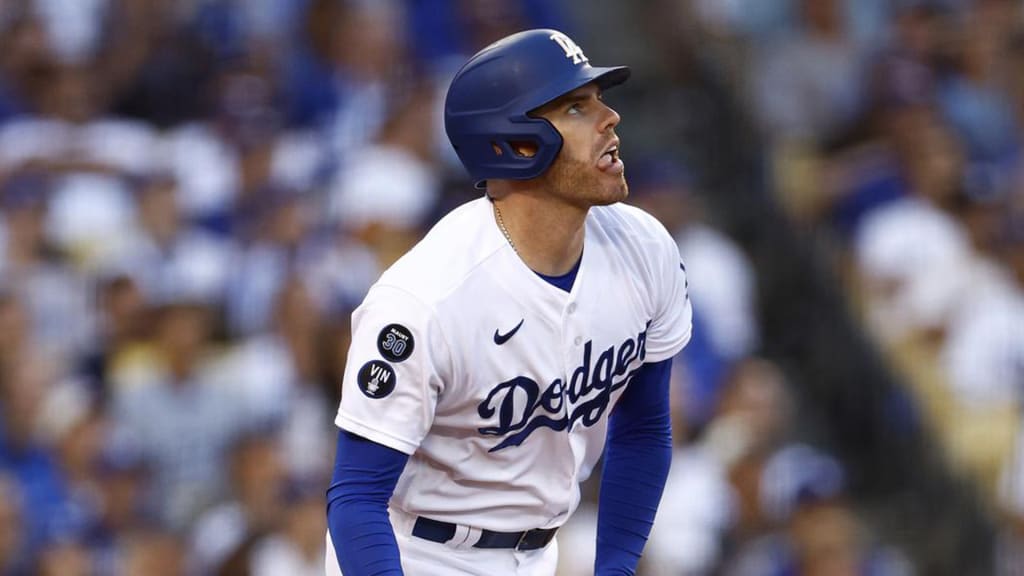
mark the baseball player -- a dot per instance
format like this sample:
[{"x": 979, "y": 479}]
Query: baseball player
[{"x": 528, "y": 333}]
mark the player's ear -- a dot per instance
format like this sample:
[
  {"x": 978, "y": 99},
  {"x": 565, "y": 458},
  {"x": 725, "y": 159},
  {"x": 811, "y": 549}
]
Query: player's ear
[{"x": 524, "y": 148}]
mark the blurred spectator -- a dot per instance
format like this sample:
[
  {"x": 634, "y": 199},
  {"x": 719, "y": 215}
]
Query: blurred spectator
[
  {"x": 24, "y": 455},
  {"x": 339, "y": 271},
  {"x": 148, "y": 57},
  {"x": 973, "y": 97},
  {"x": 353, "y": 69},
  {"x": 121, "y": 476},
  {"x": 724, "y": 281},
  {"x": 206, "y": 168},
  {"x": 902, "y": 249},
  {"x": 280, "y": 373},
  {"x": 371, "y": 64},
  {"x": 82, "y": 154},
  {"x": 868, "y": 20},
  {"x": 1015, "y": 59},
  {"x": 120, "y": 326},
  {"x": 222, "y": 161},
  {"x": 713, "y": 501},
  {"x": 24, "y": 52},
  {"x": 14, "y": 553},
  {"x": 280, "y": 220},
  {"x": 310, "y": 93},
  {"x": 66, "y": 558},
  {"x": 696, "y": 509},
  {"x": 257, "y": 482},
  {"x": 982, "y": 355},
  {"x": 384, "y": 193},
  {"x": 448, "y": 31},
  {"x": 754, "y": 418},
  {"x": 1011, "y": 248},
  {"x": 186, "y": 437},
  {"x": 869, "y": 165},
  {"x": 14, "y": 331},
  {"x": 77, "y": 432},
  {"x": 73, "y": 27},
  {"x": 268, "y": 24},
  {"x": 166, "y": 256},
  {"x": 722, "y": 285},
  {"x": 808, "y": 84},
  {"x": 298, "y": 547},
  {"x": 814, "y": 532},
  {"x": 796, "y": 474},
  {"x": 52, "y": 296},
  {"x": 154, "y": 553},
  {"x": 947, "y": 316}
]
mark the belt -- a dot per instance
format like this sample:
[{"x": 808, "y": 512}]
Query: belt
[{"x": 437, "y": 531}]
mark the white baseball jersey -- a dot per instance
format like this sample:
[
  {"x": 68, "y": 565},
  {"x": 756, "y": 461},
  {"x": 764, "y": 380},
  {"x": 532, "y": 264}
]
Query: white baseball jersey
[{"x": 498, "y": 384}]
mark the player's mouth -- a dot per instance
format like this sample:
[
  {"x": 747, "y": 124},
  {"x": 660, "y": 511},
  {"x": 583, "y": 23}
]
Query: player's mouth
[{"x": 609, "y": 160}]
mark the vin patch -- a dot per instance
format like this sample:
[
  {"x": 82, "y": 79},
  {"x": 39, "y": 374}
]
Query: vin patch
[{"x": 376, "y": 379}]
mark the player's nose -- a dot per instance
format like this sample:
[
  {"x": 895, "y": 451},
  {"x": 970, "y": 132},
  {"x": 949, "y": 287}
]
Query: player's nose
[{"x": 609, "y": 120}]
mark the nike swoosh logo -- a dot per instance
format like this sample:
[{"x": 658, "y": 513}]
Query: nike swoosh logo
[{"x": 500, "y": 339}]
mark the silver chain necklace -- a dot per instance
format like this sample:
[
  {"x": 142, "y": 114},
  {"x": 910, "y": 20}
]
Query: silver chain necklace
[{"x": 501, "y": 224}]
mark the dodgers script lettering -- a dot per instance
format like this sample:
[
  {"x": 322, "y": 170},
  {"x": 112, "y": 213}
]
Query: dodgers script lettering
[{"x": 588, "y": 393}]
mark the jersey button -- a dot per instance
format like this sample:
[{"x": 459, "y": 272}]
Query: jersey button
[
  {"x": 572, "y": 308},
  {"x": 578, "y": 340}
]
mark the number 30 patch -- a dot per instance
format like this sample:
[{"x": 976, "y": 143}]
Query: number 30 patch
[{"x": 395, "y": 342}]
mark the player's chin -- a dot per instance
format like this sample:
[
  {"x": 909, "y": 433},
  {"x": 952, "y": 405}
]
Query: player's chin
[{"x": 613, "y": 190}]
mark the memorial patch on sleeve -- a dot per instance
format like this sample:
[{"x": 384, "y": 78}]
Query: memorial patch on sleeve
[
  {"x": 395, "y": 342},
  {"x": 376, "y": 379}
]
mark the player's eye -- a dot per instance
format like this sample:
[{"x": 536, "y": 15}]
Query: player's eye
[{"x": 575, "y": 108}]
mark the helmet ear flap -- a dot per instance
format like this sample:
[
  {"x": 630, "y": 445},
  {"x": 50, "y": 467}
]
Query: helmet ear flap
[{"x": 516, "y": 150}]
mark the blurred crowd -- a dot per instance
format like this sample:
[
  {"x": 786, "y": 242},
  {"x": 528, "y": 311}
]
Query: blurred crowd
[
  {"x": 894, "y": 132},
  {"x": 194, "y": 194}
]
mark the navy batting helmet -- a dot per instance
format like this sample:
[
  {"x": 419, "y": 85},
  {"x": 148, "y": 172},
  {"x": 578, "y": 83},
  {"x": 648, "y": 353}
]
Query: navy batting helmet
[{"x": 490, "y": 97}]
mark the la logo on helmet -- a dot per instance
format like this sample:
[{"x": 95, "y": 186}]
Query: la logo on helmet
[{"x": 572, "y": 50}]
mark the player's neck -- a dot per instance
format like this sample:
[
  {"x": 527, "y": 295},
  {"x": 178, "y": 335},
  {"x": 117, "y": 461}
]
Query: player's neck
[{"x": 547, "y": 234}]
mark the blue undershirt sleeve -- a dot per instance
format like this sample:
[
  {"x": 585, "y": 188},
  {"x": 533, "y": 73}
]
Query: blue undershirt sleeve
[
  {"x": 365, "y": 475},
  {"x": 636, "y": 464}
]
